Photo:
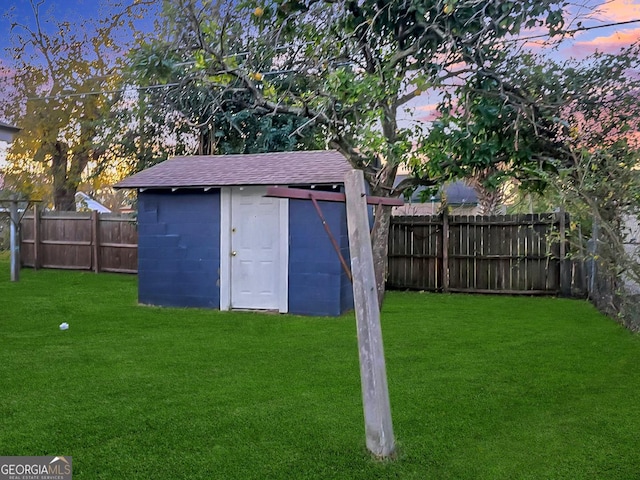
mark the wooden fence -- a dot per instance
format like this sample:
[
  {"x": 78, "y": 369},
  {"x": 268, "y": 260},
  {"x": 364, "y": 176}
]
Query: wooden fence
[
  {"x": 497, "y": 254},
  {"x": 79, "y": 241},
  {"x": 493, "y": 254}
]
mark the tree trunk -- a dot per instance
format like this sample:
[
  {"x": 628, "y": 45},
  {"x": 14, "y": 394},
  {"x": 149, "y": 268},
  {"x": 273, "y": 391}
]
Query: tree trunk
[
  {"x": 65, "y": 200},
  {"x": 381, "y": 184},
  {"x": 489, "y": 200},
  {"x": 381, "y": 226},
  {"x": 69, "y": 168},
  {"x": 380, "y": 246},
  {"x": 63, "y": 195}
]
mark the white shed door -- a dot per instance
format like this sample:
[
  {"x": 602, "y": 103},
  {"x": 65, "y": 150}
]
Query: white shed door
[{"x": 258, "y": 250}]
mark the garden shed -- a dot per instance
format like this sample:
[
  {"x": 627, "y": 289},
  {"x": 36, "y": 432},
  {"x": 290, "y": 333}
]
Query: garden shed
[{"x": 208, "y": 236}]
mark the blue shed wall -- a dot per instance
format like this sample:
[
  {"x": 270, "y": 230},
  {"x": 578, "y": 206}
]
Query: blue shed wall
[
  {"x": 346, "y": 287},
  {"x": 317, "y": 282},
  {"x": 179, "y": 248}
]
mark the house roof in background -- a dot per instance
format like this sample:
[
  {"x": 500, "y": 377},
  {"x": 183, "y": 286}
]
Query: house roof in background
[
  {"x": 84, "y": 201},
  {"x": 457, "y": 193},
  {"x": 6, "y": 126},
  {"x": 7, "y": 132},
  {"x": 283, "y": 168}
]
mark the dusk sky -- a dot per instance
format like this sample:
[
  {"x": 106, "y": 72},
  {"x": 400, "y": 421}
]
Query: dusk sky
[
  {"x": 592, "y": 13},
  {"x": 584, "y": 42},
  {"x": 608, "y": 40}
]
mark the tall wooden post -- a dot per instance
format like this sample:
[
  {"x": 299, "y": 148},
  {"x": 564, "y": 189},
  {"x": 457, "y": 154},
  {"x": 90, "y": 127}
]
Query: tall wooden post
[
  {"x": 593, "y": 252},
  {"x": 445, "y": 249},
  {"x": 95, "y": 240},
  {"x": 36, "y": 236},
  {"x": 565, "y": 272},
  {"x": 375, "y": 393},
  {"x": 14, "y": 240}
]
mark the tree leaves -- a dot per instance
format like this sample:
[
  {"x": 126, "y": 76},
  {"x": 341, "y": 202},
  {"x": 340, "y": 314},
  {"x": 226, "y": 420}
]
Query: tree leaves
[{"x": 61, "y": 95}]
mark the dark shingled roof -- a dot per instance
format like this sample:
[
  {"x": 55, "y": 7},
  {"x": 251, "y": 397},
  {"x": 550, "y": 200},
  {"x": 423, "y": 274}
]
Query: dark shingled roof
[
  {"x": 457, "y": 193},
  {"x": 7, "y": 132},
  {"x": 6, "y": 126},
  {"x": 285, "y": 168}
]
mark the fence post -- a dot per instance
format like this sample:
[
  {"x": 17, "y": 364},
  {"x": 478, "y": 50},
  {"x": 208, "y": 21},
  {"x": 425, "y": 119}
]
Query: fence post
[
  {"x": 95, "y": 240},
  {"x": 14, "y": 233},
  {"x": 565, "y": 273},
  {"x": 36, "y": 236},
  {"x": 592, "y": 249},
  {"x": 445, "y": 249}
]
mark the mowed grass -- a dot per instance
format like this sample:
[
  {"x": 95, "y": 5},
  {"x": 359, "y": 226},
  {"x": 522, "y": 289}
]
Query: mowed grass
[{"x": 481, "y": 387}]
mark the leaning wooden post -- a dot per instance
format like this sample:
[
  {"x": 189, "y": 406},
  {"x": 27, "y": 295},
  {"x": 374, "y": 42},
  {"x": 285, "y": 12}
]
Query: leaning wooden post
[
  {"x": 14, "y": 240},
  {"x": 375, "y": 392}
]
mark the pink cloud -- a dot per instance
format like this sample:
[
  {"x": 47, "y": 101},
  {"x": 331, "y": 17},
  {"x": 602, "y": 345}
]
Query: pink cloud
[
  {"x": 619, "y": 10},
  {"x": 427, "y": 107},
  {"x": 428, "y": 112},
  {"x": 609, "y": 44},
  {"x": 589, "y": 14}
]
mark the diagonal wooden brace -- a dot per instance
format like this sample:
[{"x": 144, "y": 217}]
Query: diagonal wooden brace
[
  {"x": 314, "y": 196},
  {"x": 336, "y": 247},
  {"x": 301, "y": 194}
]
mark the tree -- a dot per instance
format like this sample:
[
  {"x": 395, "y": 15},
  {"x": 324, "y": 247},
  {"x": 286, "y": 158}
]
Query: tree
[
  {"x": 348, "y": 67},
  {"x": 56, "y": 93},
  {"x": 217, "y": 116},
  {"x": 490, "y": 195},
  {"x": 579, "y": 125}
]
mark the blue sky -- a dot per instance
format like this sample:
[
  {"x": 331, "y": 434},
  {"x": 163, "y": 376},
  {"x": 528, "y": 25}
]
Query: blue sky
[
  {"x": 605, "y": 11},
  {"x": 60, "y": 10},
  {"x": 53, "y": 11},
  {"x": 21, "y": 11}
]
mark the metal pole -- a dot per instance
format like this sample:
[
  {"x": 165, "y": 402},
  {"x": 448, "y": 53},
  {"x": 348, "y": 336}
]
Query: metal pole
[{"x": 14, "y": 240}]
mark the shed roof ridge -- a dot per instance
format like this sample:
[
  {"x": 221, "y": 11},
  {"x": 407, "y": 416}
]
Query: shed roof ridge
[{"x": 256, "y": 154}]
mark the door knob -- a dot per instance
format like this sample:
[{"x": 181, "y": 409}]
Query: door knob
[{"x": 234, "y": 253}]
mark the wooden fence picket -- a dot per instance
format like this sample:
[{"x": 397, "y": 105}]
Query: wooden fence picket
[
  {"x": 79, "y": 241},
  {"x": 513, "y": 254},
  {"x": 491, "y": 254}
]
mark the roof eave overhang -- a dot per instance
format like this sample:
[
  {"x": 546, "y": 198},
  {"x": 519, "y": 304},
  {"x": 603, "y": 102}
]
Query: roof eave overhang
[{"x": 211, "y": 187}]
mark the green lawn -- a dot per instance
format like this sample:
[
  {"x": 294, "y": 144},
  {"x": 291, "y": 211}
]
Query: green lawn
[{"x": 481, "y": 387}]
